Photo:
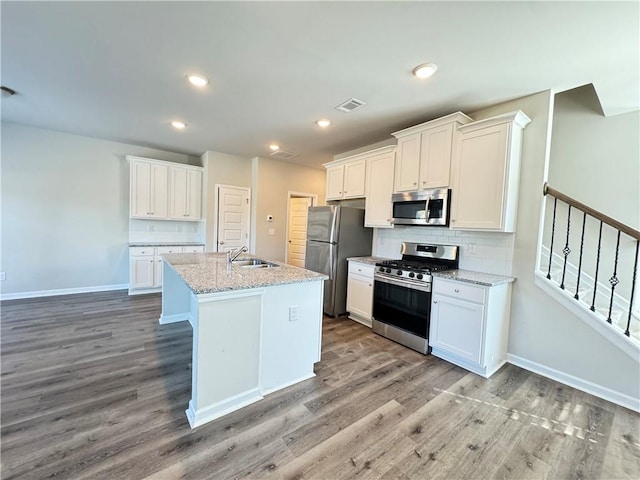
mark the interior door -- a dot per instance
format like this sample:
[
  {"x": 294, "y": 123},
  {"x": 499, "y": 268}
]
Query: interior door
[
  {"x": 298, "y": 212},
  {"x": 233, "y": 218}
]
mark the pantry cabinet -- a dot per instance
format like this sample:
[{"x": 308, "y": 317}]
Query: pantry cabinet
[
  {"x": 346, "y": 179},
  {"x": 485, "y": 173},
  {"x": 379, "y": 188},
  {"x": 164, "y": 190},
  {"x": 470, "y": 324},
  {"x": 145, "y": 266},
  {"x": 360, "y": 292},
  {"x": 424, "y": 153}
]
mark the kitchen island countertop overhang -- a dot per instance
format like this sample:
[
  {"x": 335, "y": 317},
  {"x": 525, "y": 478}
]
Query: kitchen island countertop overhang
[{"x": 255, "y": 330}]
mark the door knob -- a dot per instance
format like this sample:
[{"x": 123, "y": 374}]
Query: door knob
[{"x": 221, "y": 242}]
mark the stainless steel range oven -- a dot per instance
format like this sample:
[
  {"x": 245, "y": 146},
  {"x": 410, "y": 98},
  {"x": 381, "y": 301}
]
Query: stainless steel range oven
[{"x": 402, "y": 293}]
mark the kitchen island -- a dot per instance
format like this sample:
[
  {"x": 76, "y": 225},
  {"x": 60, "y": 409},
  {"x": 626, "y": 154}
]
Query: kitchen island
[{"x": 255, "y": 330}]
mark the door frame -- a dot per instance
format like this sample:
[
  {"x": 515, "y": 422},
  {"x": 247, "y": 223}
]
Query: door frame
[
  {"x": 216, "y": 213},
  {"x": 290, "y": 195}
]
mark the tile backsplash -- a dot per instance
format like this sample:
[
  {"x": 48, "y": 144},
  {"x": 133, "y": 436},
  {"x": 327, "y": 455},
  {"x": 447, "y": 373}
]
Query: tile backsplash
[
  {"x": 480, "y": 251},
  {"x": 165, "y": 231}
]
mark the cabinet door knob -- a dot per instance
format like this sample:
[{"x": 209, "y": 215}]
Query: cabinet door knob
[
  {"x": 414, "y": 183},
  {"x": 435, "y": 301},
  {"x": 456, "y": 290},
  {"x": 370, "y": 285}
]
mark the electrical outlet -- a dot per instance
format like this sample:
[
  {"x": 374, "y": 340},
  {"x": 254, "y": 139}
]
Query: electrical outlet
[
  {"x": 3, "y": 276},
  {"x": 179, "y": 228},
  {"x": 471, "y": 248},
  {"x": 293, "y": 313}
]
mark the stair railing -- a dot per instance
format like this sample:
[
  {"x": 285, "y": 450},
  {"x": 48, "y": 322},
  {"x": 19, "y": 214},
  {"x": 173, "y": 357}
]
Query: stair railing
[{"x": 619, "y": 227}]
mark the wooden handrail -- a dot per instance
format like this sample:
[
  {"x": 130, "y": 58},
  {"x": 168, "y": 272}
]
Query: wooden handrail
[{"x": 632, "y": 232}]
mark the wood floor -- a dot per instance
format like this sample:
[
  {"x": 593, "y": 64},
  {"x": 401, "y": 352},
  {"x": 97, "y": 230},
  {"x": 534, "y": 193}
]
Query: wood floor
[{"x": 94, "y": 388}]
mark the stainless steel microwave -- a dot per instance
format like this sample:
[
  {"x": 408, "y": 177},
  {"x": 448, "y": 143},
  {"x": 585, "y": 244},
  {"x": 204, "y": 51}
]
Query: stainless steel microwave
[{"x": 424, "y": 207}]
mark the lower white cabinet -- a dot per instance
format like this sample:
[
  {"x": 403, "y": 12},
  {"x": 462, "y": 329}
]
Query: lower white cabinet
[
  {"x": 360, "y": 292},
  {"x": 470, "y": 324},
  {"x": 145, "y": 266}
]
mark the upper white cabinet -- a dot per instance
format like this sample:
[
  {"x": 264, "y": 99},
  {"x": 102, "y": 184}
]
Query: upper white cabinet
[
  {"x": 149, "y": 189},
  {"x": 485, "y": 173},
  {"x": 346, "y": 178},
  {"x": 424, "y": 153},
  {"x": 164, "y": 190},
  {"x": 185, "y": 188},
  {"x": 378, "y": 206}
]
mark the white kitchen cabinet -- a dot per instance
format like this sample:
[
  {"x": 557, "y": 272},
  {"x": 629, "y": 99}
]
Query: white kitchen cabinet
[
  {"x": 346, "y": 178},
  {"x": 185, "y": 193},
  {"x": 145, "y": 266},
  {"x": 470, "y": 324},
  {"x": 148, "y": 189},
  {"x": 424, "y": 153},
  {"x": 379, "y": 188},
  {"x": 360, "y": 292},
  {"x": 485, "y": 173},
  {"x": 164, "y": 190}
]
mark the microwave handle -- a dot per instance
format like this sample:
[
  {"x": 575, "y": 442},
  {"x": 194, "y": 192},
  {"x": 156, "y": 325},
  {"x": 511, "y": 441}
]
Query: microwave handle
[{"x": 426, "y": 208}]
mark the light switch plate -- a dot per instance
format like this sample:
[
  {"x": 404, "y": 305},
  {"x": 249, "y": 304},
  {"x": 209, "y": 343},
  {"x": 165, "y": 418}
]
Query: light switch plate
[
  {"x": 272, "y": 231},
  {"x": 293, "y": 313}
]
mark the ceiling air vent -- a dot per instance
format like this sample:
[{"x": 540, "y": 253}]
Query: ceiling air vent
[
  {"x": 350, "y": 105},
  {"x": 283, "y": 155}
]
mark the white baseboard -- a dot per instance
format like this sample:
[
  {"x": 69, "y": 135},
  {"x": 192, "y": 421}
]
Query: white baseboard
[
  {"x": 287, "y": 384},
  {"x": 63, "y": 291},
  {"x": 612, "y": 396},
  {"x": 219, "y": 409},
  {"x": 178, "y": 317}
]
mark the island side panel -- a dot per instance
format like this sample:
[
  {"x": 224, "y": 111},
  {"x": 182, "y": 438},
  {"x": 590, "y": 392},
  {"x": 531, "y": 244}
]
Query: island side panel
[
  {"x": 176, "y": 297},
  {"x": 291, "y": 332},
  {"x": 226, "y": 355}
]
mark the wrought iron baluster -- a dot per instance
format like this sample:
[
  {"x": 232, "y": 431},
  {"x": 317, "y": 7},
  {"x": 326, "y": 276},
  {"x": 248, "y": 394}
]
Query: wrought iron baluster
[
  {"x": 595, "y": 279},
  {"x": 553, "y": 232},
  {"x": 584, "y": 221},
  {"x": 633, "y": 287},
  {"x": 614, "y": 279},
  {"x": 566, "y": 250}
]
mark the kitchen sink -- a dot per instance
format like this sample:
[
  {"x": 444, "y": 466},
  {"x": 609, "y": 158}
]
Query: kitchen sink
[{"x": 253, "y": 263}]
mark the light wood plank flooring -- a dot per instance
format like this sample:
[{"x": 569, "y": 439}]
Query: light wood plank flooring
[{"x": 94, "y": 388}]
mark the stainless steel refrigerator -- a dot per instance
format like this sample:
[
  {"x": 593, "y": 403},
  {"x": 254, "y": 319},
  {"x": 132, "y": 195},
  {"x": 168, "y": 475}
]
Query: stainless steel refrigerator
[{"x": 335, "y": 233}]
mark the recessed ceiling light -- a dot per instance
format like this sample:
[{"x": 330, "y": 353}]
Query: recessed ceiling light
[
  {"x": 178, "y": 124},
  {"x": 197, "y": 80},
  {"x": 425, "y": 70},
  {"x": 323, "y": 122},
  {"x": 274, "y": 147}
]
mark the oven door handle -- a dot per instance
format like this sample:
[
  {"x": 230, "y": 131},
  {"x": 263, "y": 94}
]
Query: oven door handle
[{"x": 423, "y": 287}]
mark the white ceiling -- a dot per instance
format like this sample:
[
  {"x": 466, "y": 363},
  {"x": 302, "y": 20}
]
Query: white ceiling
[{"x": 116, "y": 70}]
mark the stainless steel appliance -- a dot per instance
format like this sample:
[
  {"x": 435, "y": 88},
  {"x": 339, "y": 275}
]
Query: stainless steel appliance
[
  {"x": 425, "y": 207},
  {"x": 402, "y": 293},
  {"x": 335, "y": 233}
]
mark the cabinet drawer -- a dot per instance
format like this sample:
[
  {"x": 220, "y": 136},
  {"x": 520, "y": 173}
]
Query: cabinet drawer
[
  {"x": 461, "y": 290},
  {"x": 164, "y": 250},
  {"x": 138, "y": 251},
  {"x": 361, "y": 269},
  {"x": 194, "y": 249}
]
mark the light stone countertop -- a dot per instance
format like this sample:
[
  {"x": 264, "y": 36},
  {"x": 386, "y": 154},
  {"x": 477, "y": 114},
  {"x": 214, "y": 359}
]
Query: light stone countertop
[
  {"x": 209, "y": 273},
  {"x": 469, "y": 276},
  {"x": 367, "y": 260},
  {"x": 166, "y": 244}
]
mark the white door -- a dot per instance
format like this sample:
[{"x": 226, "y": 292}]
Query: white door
[
  {"x": 233, "y": 218},
  {"x": 298, "y": 210}
]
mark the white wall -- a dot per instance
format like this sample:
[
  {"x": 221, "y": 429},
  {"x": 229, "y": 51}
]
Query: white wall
[
  {"x": 221, "y": 169},
  {"x": 272, "y": 180},
  {"x": 544, "y": 334},
  {"x": 65, "y": 210}
]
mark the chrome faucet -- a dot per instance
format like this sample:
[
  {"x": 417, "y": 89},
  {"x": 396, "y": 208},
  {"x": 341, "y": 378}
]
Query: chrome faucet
[{"x": 232, "y": 255}]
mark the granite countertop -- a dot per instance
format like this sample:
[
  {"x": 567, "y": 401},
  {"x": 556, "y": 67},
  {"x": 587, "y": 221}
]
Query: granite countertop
[
  {"x": 165, "y": 244},
  {"x": 367, "y": 260},
  {"x": 469, "y": 276},
  {"x": 209, "y": 273}
]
